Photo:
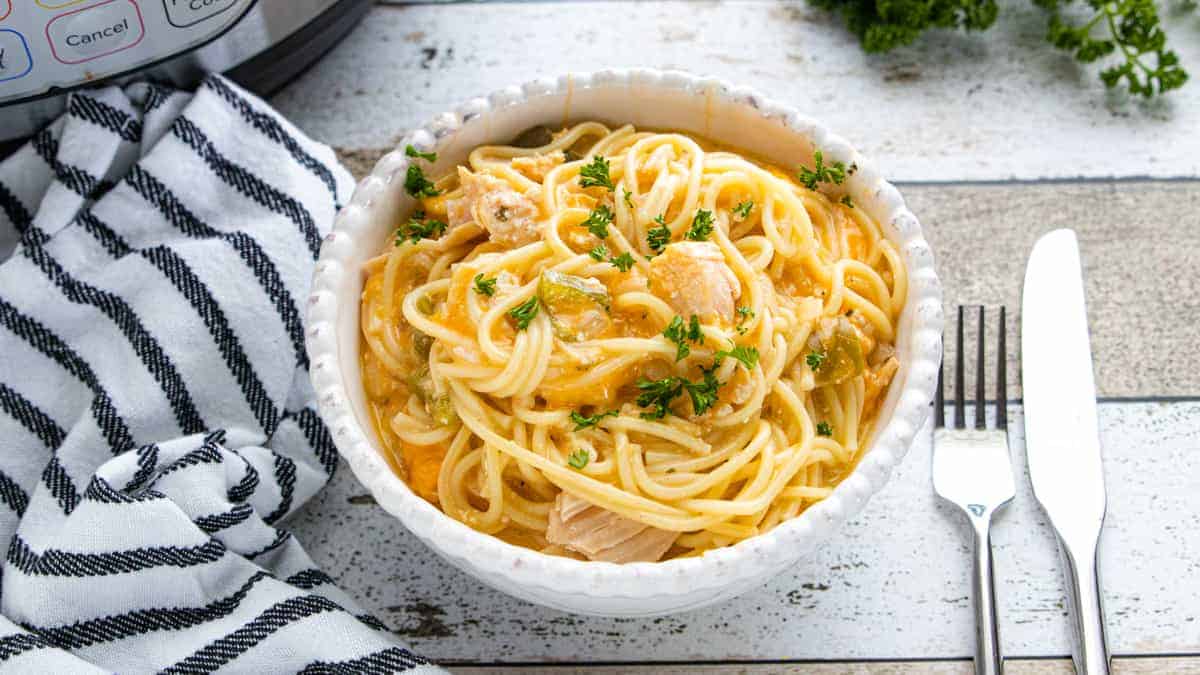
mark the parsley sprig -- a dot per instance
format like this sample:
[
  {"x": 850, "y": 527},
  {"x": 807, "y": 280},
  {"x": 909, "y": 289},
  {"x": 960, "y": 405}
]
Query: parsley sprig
[
  {"x": 680, "y": 334},
  {"x": 815, "y": 359},
  {"x": 598, "y": 221},
  {"x": 821, "y": 173},
  {"x": 413, "y": 152},
  {"x": 485, "y": 286},
  {"x": 823, "y": 429},
  {"x": 523, "y": 313},
  {"x": 743, "y": 209},
  {"x": 579, "y": 459},
  {"x": 628, "y": 196},
  {"x": 415, "y": 182},
  {"x": 623, "y": 262},
  {"x": 417, "y": 185},
  {"x": 744, "y": 314},
  {"x": 702, "y": 225},
  {"x": 704, "y": 392},
  {"x": 588, "y": 421},
  {"x": 747, "y": 355},
  {"x": 657, "y": 238},
  {"x": 657, "y": 395},
  {"x": 884, "y": 26},
  {"x": 1129, "y": 27},
  {"x": 419, "y": 227},
  {"x": 596, "y": 174},
  {"x": 599, "y": 253}
]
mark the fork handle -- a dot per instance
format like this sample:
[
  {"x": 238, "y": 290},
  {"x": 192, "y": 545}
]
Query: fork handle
[{"x": 987, "y": 637}]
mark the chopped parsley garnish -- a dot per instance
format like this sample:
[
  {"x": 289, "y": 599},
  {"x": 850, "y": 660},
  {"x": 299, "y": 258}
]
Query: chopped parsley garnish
[
  {"x": 579, "y": 459},
  {"x": 815, "y": 359},
  {"x": 702, "y": 225},
  {"x": 743, "y": 209},
  {"x": 622, "y": 262},
  {"x": 595, "y": 174},
  {"x": 679, "y": 334},
  {"x": 834, "y": 173},
  {"x": 599, "y": 253},
  {"x": 847, "y": 201},
  {"x": 628, "y": 198},
  {"x": 747, "y": 355},
  {"x": 588, "y": 421},
  {"x": 417, "y": 185},
  {"x": 413, "y": 152},
  {"x": 598, "y": 221},
  {"x": 658, "y": 394},
  {"x": 523, "y": 313},
  {"x": 419, "y": 227},
  {"x": 744, "y": 315},
  {"x": 658, "y": 237},
  {"x": 823, "y": 429},
  {"x": 485, "y": 286},
  {"x": 704, "y": 392}
]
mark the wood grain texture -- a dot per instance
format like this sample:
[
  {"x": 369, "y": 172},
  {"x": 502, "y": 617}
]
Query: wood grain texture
[
  {"x": 997, "y": 105},
  {"x": 1120, "y": 666},
  {"x": 893, "y": 584}
]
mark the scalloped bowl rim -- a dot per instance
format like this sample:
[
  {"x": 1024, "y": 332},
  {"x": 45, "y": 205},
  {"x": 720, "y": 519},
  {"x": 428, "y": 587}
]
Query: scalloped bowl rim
[{"x": 719, "y": 570}]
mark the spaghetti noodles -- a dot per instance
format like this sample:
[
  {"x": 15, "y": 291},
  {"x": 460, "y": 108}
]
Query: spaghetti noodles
[{"x": 625, "y": 345}]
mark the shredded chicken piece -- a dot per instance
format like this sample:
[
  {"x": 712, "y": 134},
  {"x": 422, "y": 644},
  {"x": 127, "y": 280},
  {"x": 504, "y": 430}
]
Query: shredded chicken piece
[
  {"x": 599, "y": 534},
  {"x": 693, "y": 277},
  {"x": 876, "y": 381},
  {"x": 537, "y": 166},
  {"x": 509, "y": 217}
]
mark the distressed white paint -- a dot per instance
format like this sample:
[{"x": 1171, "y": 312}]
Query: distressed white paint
[
  {"x": 996, "y": 105},
  {"x": 893, "y": 585}
]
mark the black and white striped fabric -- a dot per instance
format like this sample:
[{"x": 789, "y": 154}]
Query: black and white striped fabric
[{"x": 156, "y": 418}]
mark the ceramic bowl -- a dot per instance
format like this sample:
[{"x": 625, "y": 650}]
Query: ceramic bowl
[{"x": 734, "y": 116}]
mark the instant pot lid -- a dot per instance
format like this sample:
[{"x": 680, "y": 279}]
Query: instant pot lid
[{"x": 272, "y": 42}]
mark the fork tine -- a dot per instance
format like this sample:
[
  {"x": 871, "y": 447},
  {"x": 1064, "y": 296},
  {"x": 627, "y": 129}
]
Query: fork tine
[
  {"x": 939, "y": 401},
  {"x": 1001, "y": 382},
  {"x": 960, "y": 412},
  {"x": 980, "y": 377}
]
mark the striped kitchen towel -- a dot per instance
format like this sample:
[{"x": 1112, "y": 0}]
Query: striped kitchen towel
[{"x": 156, "y": 417}]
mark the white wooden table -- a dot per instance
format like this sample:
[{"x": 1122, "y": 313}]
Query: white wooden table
[{"x": 995, "y": 139}]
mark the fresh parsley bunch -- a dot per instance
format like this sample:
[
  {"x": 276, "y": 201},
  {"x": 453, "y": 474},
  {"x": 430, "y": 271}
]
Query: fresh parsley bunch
[
  {"x": 1128, "y": 29},
  {"x": 883, "y": 25}
]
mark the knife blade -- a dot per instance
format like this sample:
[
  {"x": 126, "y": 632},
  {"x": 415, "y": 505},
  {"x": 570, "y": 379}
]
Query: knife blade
[{"x": 1062, "y": 438}]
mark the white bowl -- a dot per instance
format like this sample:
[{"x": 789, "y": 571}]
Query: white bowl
[{"x": 735, "y": 116}]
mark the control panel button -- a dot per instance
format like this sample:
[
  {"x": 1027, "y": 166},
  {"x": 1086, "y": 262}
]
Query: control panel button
[
  {"x": 184, "y": 13},
  {"x": 15, "y": 60},
  {"x": 92, "y": 32}
]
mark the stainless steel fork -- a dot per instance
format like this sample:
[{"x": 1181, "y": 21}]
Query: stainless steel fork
[{"x": 972, "y": 469}]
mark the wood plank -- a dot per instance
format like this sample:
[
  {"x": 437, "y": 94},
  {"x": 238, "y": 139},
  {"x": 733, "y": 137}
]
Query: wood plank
[
  {"x": 1120, "y": 666},
  {"x": 892, "y": 585},
  {"x": 996, "y": 105}
]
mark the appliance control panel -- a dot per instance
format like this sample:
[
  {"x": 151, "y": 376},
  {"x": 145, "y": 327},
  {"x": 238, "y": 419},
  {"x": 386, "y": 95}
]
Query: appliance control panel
[{"x": 46, "y": 45}]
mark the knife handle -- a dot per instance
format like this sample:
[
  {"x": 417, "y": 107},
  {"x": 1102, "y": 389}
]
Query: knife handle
[
  {"x": 1089, "y": 649},
  {"x": 987, "y": 636}
]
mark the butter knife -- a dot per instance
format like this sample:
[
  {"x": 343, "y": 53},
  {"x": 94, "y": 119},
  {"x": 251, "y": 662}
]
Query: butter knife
[{"x": 1062, "y": 438}]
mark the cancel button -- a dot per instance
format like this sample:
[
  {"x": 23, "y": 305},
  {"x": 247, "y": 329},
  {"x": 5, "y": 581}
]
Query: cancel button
[{"x": 95, "y": 31}]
